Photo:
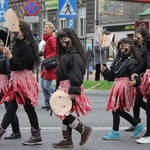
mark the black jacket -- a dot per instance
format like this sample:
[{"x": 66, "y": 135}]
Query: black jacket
[
  {"x": 23, "y": 56},
  {"x": 122, "y": 67},
  {"x": 143, "y": 53},
  {"x": 71, "y": 67},
  {"x": 4, "y": 65},
  {"x": 148, "y": 61}
]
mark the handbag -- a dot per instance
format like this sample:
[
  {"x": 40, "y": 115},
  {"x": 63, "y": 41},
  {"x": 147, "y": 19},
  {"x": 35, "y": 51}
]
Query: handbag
[{"x": 50, "y": 63}]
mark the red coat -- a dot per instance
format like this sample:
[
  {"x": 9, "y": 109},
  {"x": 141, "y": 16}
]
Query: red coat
[{"x": 49, "y": 51}]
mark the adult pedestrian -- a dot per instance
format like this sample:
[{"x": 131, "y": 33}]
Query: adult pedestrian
[
  {"x": 70, "y": 74},
  {"x": 90, "y": 56},
  {"x": 47, "y": 76},
  {"x": 23, "y": 87},
  {"x": 4, "y": 80},
  {"x": 122, "y": 96},
  {"x": 139, "y": 38}
]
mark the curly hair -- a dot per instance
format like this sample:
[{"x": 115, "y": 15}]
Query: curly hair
[
  {"x": 28, "y": 38},
  {"x": 132, "y": 50},
  {"x": 142, "y": 30},
  {"x": 68, "y": 32}
]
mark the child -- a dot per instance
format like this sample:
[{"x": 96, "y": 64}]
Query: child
[{"x": 122, "y": 96}]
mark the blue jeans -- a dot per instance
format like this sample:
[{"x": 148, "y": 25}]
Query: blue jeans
[
  {"x": 47, "y": 89},
  {"x": 90, "y": 67}
]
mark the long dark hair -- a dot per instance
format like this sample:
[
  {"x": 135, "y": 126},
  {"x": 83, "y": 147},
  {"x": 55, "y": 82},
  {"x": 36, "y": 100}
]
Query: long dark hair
[
  {"x": 28, "y": 38},
  {"x": 68, "y": 32},
  {"x": 132, "y": 50}
]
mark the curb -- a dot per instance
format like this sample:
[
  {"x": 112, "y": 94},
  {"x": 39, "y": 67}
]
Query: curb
[{"x": 98, "y": 92}]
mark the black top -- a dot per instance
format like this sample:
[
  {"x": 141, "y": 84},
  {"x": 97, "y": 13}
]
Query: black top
[
  {"x": 4, "y": 65},
  {"x": 122, "y": 67},
  {"x": 143, "y": 53},
  {"x": 71, "y": 67},
  {"x": 23, "y": 57},
  {"x": 148, "y": 61}
]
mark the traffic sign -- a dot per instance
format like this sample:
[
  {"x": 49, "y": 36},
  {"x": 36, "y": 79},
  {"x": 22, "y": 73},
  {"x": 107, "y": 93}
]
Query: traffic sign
[
  {"x": 67, "y": 8},
  {"x": 71, "y": 23},
  {"x": 3, "y": 9},
  {"x": 31, "y": 8}
]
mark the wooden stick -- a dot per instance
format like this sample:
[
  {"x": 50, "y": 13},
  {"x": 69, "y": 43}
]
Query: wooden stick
[{"x": 7, "y": 38}]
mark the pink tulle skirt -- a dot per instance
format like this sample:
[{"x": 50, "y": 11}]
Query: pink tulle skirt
[
  {"x": 23, "y": 86},
  {"x": 145, "y": 84},
  {"x": 82, "y": 103},
  {"x": 3, "y": 85},
  {"x": 122, "y": 96}
]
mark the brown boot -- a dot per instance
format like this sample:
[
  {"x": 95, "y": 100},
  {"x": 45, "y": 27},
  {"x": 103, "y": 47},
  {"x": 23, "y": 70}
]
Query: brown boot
[
  {"x": 66, "y": 142},
  {"x": 85, "y": 131},
  {"x": 35, "y": 138},
  {"x": 2, "y": 131}
]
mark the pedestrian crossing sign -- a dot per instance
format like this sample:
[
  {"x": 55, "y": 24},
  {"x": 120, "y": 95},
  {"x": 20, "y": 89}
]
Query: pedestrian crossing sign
[{"x": 67, "y": 8}]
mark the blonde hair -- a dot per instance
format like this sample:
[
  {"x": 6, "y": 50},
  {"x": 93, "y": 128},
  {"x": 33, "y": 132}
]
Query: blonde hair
[{"x": 50, "y": 25}]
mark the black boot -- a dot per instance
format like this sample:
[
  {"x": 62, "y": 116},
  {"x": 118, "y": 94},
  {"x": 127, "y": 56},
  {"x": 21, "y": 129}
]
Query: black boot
[
  {"x": 85, "y": 131},
  {"x": 131, "y": 129},
  {"x": 13, "y": 136},
  {"x": 66, "y": 142},
  {"x": 2, "y": 131},
  {"x": 35, "y": 138}
]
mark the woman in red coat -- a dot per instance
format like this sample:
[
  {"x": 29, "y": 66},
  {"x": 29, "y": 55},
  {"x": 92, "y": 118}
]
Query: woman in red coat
[{"x": 48, "y": 75}]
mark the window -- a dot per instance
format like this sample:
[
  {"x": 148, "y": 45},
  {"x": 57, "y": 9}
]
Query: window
[
  {"x": 62, "y": 23},
  {"x": 82, "y": 22}
]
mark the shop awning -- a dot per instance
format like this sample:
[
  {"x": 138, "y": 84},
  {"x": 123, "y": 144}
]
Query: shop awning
[{"x": 145, "y": 12}]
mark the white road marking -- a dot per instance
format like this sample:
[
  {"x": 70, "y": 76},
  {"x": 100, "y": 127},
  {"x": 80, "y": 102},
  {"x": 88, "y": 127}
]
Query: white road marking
[{"x": 59, "y": 128}]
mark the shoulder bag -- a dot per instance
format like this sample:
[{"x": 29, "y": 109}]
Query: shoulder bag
[{"x": 50, "y": 63}]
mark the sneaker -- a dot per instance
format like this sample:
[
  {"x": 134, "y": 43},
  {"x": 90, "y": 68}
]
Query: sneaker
[
  {"x": 138, "y": 129},
  {"x": 144, "y": 140},
  {"x": 113, "y": 135}
]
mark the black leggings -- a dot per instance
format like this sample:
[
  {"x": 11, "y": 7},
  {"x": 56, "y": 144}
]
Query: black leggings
[
  {"x": 69, "y": 120},
  {"x": 138, "y": 103},
  {"x": 116, "y": 119},
  {"x": 11, "y": 111},
  {"x": 15, "y": 121},
  {"x": 148, "y": 116}
]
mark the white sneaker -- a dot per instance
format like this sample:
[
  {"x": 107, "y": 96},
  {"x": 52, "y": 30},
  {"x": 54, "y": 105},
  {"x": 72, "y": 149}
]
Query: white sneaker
[{"x": 144, "y": 140}]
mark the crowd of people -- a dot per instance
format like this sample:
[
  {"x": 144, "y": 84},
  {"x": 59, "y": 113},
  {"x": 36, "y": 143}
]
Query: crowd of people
[{"x": 129, "y": 71}]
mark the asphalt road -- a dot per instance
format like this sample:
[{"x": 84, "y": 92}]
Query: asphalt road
[{"x": 98, "y": 119}]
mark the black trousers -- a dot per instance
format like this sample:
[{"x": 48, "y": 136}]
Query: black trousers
[
  {"x": 15, "y": 121},
  {"x": 148, "y": 116},
  {"x": 138, "y": 103},
  {"x": 98, "y": 71},
  {"x": 116, "y": 119},
  {"x": 11, "y": 111}
]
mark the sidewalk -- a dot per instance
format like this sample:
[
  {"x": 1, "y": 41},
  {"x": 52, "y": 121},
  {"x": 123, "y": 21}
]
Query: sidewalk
[{"x": 91, "y": 77}]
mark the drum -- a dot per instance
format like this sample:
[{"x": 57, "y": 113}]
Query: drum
[{"x": 60, "y": 103}]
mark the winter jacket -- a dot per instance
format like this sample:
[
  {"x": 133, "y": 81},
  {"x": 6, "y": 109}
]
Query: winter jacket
[
  {"x": 143, "y": 53},
  {"x": 4, "y": 65},
  {"x": 148, "y": 61},
  {"x": 100, "y": 53},
  {"x": 49, "y": 51},
  {"x": 122, "y": 67},
  {"x": 23, "y": 56},
  {"x": 71, "y": 67}
]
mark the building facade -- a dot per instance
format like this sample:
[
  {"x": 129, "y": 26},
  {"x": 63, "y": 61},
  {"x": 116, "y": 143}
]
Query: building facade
[{"x": 117, "y": 16}]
